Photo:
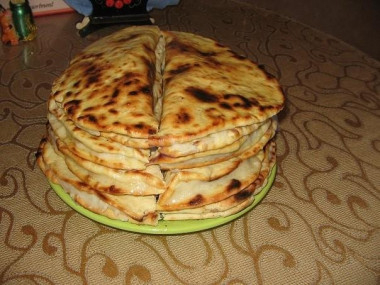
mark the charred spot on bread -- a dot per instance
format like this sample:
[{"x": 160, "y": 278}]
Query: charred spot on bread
[
  {"x": 146, "y": 90},
  {"x": 115, "y": 93},
  {"x": 183, "y": 117},
  {"x": 242, "y": 195},
  {"x": 241, "y": 101},
  {"x": 139, "y": 126},
  {"x": 89, "y": 118},
  {"x": 198, "y": 199},
  {"x": 202, "y": 95},
  {"x": 76, "y": 84},
  {"x": 225, "y": 105},
  {"x": 72, "y": 106},
  {"x": 234, "y": 184},
  {"x": 180, "y": 69}
]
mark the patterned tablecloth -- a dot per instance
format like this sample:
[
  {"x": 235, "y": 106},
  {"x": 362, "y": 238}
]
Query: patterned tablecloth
[{"x": 320, "y": 222}]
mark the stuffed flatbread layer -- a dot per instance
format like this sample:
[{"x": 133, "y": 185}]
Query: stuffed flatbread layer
[
  {"x": 134, "y": 209},
  {"x": 209, "y": 88},
  {"x": 109, "y": 86}
]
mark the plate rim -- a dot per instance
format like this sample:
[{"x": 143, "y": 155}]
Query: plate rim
[{"x": 165, "y": 227}]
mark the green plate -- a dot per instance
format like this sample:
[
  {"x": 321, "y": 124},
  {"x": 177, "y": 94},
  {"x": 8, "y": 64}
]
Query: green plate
[{"x": 165, "y": 227}]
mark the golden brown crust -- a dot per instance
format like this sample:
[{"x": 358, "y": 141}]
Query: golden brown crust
[
  {"x": 109, "y": 86},
  {"x": 146, "y": 122},
  {"x": 209, "y": 88},
  {"x": 128, "y": 208},
  {"x": 234, "y": 203}
]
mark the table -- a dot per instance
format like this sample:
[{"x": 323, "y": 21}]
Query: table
[{"x": 319, "y": 223}]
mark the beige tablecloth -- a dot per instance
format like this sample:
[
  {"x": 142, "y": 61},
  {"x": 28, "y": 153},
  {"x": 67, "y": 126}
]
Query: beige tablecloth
[{"x": 319, "y": 224}]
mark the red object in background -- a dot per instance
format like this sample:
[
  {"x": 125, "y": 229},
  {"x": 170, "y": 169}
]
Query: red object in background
[
  {"x": 110, "y": 3},
  {"x": 119, "y": 4}
]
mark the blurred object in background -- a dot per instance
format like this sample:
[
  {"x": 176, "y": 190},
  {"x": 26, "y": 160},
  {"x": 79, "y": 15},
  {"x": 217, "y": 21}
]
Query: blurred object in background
[
  {"x": 23, "y": 21},
  {"x": 98, "y": 13},
  {"x": 85, "y": 7},
  {"x": 45, "y": 7},
  {"x": 160, "y": 4},
  {"x": 8, "y": 32},
  {"x": 17, "y": 23}
]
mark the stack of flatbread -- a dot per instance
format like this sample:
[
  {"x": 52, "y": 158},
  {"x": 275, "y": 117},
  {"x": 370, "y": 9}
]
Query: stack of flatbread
[{"x": 147, "y": 124}]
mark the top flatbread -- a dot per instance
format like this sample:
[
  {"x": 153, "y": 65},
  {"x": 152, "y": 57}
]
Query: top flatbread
[
  {"x": 109, "y": 86},
  {"x": 114, "y": 86},
  {"x": 209, "y": 88}
]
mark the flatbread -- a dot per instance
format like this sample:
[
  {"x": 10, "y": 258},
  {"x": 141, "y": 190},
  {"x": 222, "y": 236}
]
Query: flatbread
[
  {"x": 173, "y": 216},
  {"x": 91, "y": 139},
  {"x": 251, "y": 147},
  {"x": 56, "y": 131},
  {"x": 210, "y": 142},
  {"x": 234, "y": 203},
  {"x": 203, "y": 173},
  {"x": 149, "y": 176},
  {"x": 196, "y": 193},
  {"x": 209, "y": 88},
  {"x": 108, "y": 180},
  {"x": 225, "y": 150},
  {"x": 135, "y": 209},
  {"x": 141, "y": 143},
  {"x": 105, "y": 184},
  {"x": 109, "y": 86}
]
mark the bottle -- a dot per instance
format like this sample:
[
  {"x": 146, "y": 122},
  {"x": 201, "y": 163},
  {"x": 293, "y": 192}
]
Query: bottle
[{"x": 23, "y": 19}]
